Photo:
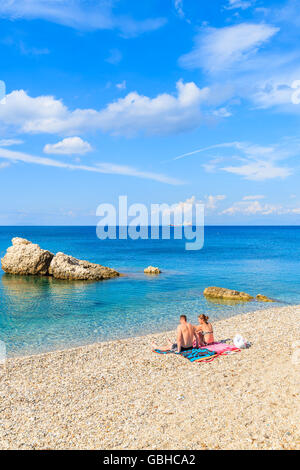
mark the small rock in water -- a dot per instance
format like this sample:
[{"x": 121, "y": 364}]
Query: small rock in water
[
  {"x": 152, "y": 270},
  {"x": 226, "y": 294},
  {"x": 263, "y": 298}
]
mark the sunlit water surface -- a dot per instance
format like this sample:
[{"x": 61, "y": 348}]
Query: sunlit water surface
[{"x": 39, "y": 314}]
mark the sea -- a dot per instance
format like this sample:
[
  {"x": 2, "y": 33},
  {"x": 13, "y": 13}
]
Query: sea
[{"x": 41, "y": 314}]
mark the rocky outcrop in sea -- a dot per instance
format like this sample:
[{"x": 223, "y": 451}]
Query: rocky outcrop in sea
[
  {"x": 66, "y": 267},
  {"x": 27, "y": 258}
]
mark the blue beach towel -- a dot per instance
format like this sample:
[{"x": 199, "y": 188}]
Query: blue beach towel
[{"x": 193, "y": 354}]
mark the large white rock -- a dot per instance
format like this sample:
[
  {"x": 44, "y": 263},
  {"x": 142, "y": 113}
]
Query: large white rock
[
  {"x": 20, "y": 241},
  {"x": 66, "y": 267},
  {"x": 26, "y": 258}
]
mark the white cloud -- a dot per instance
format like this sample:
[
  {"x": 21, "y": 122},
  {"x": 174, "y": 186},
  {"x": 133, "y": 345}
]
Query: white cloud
[
  {"x": 219, "y": 49},
  {"x": 255, "y": 207},
  {"x": 10, "y": 142},
  {"x": 122, "y": 85},
  {"x": 242, "y": 4},
  {"x": 182, "y": 206},
  {"x": 278, "y": 92},
  {"x": 68, "y": 146},
  {"x": 4, "y": 165},
  {"x": 127, "y": 116},
  {"x": 252, "y": 208},
  {"x": 78, "y": 14},
  {"x": 222, "y": 113},
  {"x": 259, "y": 170},
  {"x": 250, "y": 198},
  {"x": 257, "y": 62},
  {"x": 106, "y": 168},
  {"x": 211, "y": 202},
  {"x": 160, "y": 115}
]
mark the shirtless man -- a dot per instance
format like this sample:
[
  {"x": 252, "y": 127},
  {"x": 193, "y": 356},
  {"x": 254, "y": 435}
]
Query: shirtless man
[{"x": 185, "y": 336}]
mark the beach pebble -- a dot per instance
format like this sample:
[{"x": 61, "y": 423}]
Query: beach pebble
[{"x": 85, "y": 398}]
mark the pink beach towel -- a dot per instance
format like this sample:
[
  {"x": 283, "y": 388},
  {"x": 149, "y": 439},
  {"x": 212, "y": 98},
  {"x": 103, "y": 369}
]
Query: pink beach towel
[{"x": 221, "y": 348}]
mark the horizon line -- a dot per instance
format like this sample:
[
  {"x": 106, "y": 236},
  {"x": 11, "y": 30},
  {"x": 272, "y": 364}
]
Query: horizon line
[{"x": 172, "y": 226}]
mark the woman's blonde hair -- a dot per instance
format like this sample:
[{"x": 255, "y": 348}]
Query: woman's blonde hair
[{"x": 203, "y": 317}]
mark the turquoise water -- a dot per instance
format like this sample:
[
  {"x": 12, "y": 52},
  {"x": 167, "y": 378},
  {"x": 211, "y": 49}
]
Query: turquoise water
[{"x": 42, "y": 314}]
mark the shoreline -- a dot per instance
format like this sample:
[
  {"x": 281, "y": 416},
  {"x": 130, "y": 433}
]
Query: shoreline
[
  {"x": 263, "y": 308},
  {"x": 120, "y": 395}
]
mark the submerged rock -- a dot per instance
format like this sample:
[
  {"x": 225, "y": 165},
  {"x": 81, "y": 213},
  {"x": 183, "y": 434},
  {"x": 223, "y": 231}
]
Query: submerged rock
[
  {"x": 26, "y": 258},
  {"x": 226, "y": 294},
  {"x": 263, "y": 298},
  {"x": 66, "y": 267},
  {"x": 152, "y": 270}
]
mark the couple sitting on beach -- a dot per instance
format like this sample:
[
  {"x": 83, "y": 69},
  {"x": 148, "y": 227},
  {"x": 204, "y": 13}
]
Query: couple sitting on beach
[{"x": 190, "y": 336}]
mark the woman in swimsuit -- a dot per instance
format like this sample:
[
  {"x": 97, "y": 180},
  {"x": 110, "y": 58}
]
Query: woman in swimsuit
[{"x": 204, "y": 331}]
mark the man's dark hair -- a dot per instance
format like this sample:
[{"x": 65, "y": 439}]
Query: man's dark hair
[{"x": 183, "y": 316}]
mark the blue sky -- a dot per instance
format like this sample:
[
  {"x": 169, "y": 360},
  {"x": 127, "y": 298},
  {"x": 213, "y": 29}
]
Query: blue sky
[{"x": 160, "y": 101}]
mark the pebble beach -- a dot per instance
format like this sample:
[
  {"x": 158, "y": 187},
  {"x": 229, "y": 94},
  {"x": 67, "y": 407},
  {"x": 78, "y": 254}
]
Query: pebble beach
[{"x": 121, "y": 395}]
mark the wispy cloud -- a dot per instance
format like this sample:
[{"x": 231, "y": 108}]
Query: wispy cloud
[
  {"x": 115, "y": 57},
  {"x": 222, "y": 113},
  {"x": 205, "y": 149},
  {"x": 287, "y": 12},
  {"x": 178, "y": 4},
  {"x": 106, "y": 168},
  {"x": 242, "y": 4},
  {"x": 252, "y": 59},
  {"x": 24, "y": 48},
  {"x": 257, "y": 162},
  {"x": 78, "y": 14},
  {"x": 4, "y": 165},
  {"x": 219, "y": 49},
  {"x": 254, "y": 207},
  {"x": 254, "y": 197},
  {"x": 10, "y": 142},
  {"x": 212, "y": 165},
  {"x": 259, "y": 170}
]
